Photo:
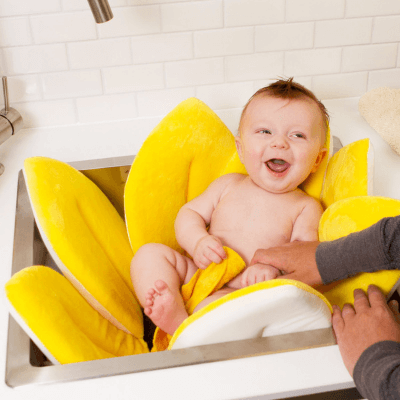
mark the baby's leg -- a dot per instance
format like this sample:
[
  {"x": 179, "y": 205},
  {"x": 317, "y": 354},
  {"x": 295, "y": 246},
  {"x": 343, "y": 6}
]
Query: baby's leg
[
  {"x": 215, "y": 296},
  {"x": 157, "y": 273}
]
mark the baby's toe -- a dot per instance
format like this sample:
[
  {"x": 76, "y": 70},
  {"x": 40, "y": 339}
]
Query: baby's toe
[{"x": 160, "y": 285}]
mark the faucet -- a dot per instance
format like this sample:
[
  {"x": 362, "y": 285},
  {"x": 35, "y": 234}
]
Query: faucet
[
  {"x": 101, "y": 10},
  {"x": 10, "y": 119}
]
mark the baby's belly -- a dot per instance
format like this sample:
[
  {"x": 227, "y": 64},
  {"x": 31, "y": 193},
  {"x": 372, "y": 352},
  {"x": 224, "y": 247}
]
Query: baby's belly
[{"x": 246, "y": 244}]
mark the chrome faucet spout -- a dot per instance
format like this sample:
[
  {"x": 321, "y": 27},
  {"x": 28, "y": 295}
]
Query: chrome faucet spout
[{"x": 101, "y": 10}]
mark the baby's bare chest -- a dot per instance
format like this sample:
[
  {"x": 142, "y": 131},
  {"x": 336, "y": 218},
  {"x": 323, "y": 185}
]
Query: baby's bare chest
[{"x": 256, "y": 215}]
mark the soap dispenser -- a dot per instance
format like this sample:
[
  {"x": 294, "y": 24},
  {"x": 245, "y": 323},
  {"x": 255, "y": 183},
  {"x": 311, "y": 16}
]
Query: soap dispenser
[{"x": 10, "y": 119}]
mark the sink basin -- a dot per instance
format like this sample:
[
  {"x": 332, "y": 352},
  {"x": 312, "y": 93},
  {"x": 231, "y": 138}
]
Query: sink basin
[{"x": 26, "y": 364}]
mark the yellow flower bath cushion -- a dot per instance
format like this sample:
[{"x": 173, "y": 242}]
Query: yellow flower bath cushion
[
  {"x": 61, "y": 322},
  {"x": 189, "y": 149},
  {"x": 352, "y": 215},
  {"x": 349, "y": 173},
  {"x": 86, "y": 238}
]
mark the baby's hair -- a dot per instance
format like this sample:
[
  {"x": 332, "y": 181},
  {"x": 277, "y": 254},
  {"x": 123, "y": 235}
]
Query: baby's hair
[{"x": 287, "y": 89}]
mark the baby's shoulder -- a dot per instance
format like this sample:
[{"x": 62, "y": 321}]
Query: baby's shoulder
[
  {"x": 225, "y": 182},
  {"x": 228, "y": 179},
  {"x": 305, "y": 200}
]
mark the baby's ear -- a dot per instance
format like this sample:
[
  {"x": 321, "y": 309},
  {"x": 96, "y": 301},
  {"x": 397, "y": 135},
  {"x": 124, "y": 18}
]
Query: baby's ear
[
  {"x": 321, "y": 155},
  {"x": 239, "y": 147}
]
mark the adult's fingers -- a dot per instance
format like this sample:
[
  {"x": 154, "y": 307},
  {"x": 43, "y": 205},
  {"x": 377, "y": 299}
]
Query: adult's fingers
[
  {"x": 361, "y": 302},
  {"x": 376, "y": 297},
  {"x": 337, "y": 320},
  {"x": 347, "y": 310}
]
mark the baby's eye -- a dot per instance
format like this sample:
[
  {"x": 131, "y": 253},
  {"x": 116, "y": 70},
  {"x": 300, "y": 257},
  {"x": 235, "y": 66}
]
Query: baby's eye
[
  {"x": 266, "y": 131},
  {"x": 299, "y": 135}
]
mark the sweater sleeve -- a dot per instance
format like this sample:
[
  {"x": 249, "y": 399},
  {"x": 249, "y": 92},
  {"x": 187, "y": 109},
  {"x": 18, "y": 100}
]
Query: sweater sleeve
[
  {"x": 377, "y": 372},
  {"x": 372, "y": 249}
]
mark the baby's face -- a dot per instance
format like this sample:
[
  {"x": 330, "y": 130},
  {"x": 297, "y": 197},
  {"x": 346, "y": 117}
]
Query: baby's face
[{"x": 280, "y": 142}]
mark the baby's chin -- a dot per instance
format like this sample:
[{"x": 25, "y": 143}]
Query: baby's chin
[{"x": 279, "y": 188}]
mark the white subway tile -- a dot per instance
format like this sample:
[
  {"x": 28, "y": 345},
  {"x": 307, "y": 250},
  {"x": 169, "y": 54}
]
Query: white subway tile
[
  {"x": 398, "y": 56},
  {"x": 227, "y": 95},
  {"x": 284, "y": 37},
  {"x": 388, "y": 77},
  {"x": 194, "y": 72},
  {"x": 343, "y": 32},
  {"x": 47, "y": 113},
  {"x": 64, "y": 27},
  {"x": 161, "y": 102},
  {"x": 386, "y": 29},
  {"x": 253, "y": 12},
  {"x": 230, "y": 117},
  {"x": 362, "y": 8},
  {"x": 340, "y": 85},
  {"x": 312, "y": 62},
  {"x": 120, "y": 3},
  {"x": 164, "y": 47},
  {"x": 129, "y": 21},
  {"x": 223, "y": 42},
  {"x": 369, "y": 57},
  {"x": 142, "y": 2},
  {"x": 33, "y": 59},
  {"x": 73, "y": 5},
  {"x": 106, "y": 108},
  {"x": 133, "y": 78},
  {"x": 192, "y": 16},
  {"x": 15, "y": 32},
  {"x": 25, "y": 7},
  {"x": 99, "y": 53},
  {"x": 24, "y": 88},
  {"x": 314, "y": 10},
  {"x": 253, "y": 66},
  {"x": 71, "y": 84}
]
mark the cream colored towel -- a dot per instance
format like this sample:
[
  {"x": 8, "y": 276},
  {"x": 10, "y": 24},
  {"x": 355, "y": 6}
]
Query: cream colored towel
[{"x": 381, "y": 109}]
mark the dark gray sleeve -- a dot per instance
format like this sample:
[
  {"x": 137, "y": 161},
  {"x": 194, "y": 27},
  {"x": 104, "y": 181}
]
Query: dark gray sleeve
[
  {"x": 377, "y": 372},
  {"x": 372, "y": 249}
]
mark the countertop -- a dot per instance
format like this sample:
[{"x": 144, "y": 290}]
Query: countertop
[{"x": 270, "y": 376}]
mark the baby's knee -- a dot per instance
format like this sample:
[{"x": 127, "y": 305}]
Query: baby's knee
[{"x": 148, "y": 252}]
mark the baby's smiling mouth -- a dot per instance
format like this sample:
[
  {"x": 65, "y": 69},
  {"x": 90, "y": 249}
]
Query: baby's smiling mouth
[{"x": 277, "y": 165}]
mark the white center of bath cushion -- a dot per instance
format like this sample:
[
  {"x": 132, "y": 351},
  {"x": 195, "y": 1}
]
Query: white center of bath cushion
[
  {"x": 260, "y": 313},
  {"x": 381, "y": 109}
]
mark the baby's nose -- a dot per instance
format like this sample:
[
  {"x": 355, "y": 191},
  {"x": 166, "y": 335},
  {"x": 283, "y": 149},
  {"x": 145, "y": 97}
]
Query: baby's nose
[{"x": 279, "y": 142}]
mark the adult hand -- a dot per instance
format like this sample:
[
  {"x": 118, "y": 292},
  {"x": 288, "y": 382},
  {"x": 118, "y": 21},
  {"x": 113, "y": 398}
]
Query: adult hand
[
  {"x": 208, "y": 249},
  {"x": 296, "y": 259},
  {"x": 370, "y": 321}
]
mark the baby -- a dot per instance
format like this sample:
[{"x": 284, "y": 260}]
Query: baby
[{"x": 281, "y": 136}]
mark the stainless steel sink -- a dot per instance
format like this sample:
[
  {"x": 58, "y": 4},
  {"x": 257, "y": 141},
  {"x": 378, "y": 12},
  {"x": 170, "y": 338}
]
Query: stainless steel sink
[{"x": 26, "y": 365}]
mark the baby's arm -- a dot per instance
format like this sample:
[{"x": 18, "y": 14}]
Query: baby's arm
[
  {"x": 306, "y": 225},
  {"x": 192, "y": 221}
]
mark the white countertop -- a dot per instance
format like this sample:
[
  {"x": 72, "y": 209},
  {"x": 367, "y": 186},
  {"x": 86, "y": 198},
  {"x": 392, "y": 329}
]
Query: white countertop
[{"x": 272, "y": 376}]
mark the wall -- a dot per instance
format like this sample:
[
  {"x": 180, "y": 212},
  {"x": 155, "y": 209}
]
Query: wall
[{"x": 64, "y": 69}]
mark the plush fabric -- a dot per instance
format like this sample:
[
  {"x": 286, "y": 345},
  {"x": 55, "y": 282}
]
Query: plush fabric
[
  {"x": 381, "y": 109},
  {"x": 61, "y": 322},
  {"x": 86, "y": 237},
  {"x": 349, "y": 173},
  {"x": 351, "y": 215}
]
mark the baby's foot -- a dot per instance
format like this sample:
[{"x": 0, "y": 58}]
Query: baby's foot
[{"x": 163, "y": 308}]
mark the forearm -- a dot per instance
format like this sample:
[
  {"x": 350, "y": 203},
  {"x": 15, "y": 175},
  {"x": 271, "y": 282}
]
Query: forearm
[
  {"x": 377, "y": 372},
  {"x": 190, "y": 227},
  {"x": 373, "y": 249}
]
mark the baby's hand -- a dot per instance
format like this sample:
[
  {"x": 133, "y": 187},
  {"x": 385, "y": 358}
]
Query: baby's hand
[
  {"x": 258, "y": 273},
  {"x": 208, "y": 250}
]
